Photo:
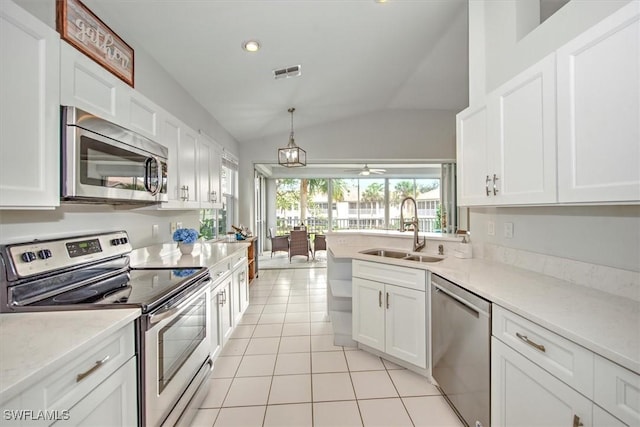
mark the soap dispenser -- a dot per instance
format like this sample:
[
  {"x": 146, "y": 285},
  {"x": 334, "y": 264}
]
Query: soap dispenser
[{"x": 465, "y": 249}]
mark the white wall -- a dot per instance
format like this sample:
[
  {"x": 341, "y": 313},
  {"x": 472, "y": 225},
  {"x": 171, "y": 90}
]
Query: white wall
[
  {"x": 389, "y": 135},
  {"x": 608, "y": 235},
  {"x": 603, "y": 235},
  {"x": 153, "y": 82}
]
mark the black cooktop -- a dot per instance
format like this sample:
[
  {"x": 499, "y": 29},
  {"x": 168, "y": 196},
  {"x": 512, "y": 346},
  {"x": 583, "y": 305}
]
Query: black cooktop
[{"x": 144, "y": 288}]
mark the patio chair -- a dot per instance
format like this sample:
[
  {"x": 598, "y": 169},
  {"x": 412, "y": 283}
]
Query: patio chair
[
  {"x": 278, "y": 243},
  {"x": 299, "y": 244},
  {"x": 319, "y": 244}
]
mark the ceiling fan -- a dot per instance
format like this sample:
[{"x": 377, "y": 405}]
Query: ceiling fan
[{"x": 366, "y": 171}]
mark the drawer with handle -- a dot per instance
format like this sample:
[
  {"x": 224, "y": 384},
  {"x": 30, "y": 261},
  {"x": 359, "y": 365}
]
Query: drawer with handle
[
  {"x": 565, "y": 359},
  {"x": 219, "y": 272},
  {"x": 64, "y": 388}
]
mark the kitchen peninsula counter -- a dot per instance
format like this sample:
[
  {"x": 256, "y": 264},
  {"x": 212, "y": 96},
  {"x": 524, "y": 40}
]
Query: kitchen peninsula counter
[
  {"x": 604, "y": 323},
  {"x": 35, "y": 345}
]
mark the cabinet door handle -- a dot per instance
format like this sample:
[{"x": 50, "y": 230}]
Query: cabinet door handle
[
  {"x": 495, "y": 188},
  {"x": 213, "y": 197},
  {"x": 486, "y": 185},
  {"x": 379, "y": 298},
  {"x": 531, "y": 343},
  {"x": 387, "y": 300},
  {"x": 576, "y": 421},
  {"x": 92, "y": 369},
  {"x": 185, "y": 193}
]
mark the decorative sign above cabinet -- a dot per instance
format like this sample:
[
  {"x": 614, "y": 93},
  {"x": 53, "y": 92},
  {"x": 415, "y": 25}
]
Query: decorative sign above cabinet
[{"x": 87, "y": 33}]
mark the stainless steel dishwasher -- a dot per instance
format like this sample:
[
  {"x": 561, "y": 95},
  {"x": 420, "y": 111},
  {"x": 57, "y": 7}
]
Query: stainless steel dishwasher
[{"x": 461, "y": 334}]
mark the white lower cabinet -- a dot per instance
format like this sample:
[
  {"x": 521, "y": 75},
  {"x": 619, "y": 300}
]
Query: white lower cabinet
[
  {"x": 602, "y": 418},
  {"x": 388, "y": 317},
  {"x": 216, "y": 335},
  {"x": 523, "y": 394},
  {"x": 368, "y": 313},
  {"x": 240, "y": 295},
  {"x": 225, "y": 325},
  {"x": 539, "y": 378},
  {"x": 112, "y": 403},
  {"x": 98, "y": 387},
  {"x": 405, "y": 325}
]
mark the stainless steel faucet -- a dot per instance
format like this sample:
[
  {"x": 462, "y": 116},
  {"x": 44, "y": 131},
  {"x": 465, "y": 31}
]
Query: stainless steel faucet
[{"x": 417, "y": 245}]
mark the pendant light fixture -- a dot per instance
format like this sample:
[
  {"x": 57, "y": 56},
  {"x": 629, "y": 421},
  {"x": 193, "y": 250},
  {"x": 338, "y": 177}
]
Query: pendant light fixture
[{"x": 292, "y": 155}]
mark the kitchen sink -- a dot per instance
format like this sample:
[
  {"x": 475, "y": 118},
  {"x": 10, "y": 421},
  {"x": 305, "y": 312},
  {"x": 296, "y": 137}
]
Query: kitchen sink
[
  {"x": 388, "y": 253},
  {"x": 385, "y": 253},
  {"x": 422, "y": 258}
]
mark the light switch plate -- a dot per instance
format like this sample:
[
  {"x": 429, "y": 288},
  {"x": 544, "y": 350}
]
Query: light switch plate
[
  {"x": 508, "y": 230},
  {"x": 491, "y": 228}
]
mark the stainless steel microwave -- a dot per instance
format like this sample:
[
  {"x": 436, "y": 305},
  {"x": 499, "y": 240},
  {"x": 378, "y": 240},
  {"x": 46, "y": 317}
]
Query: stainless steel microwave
[{"x": 105, "y": 163}]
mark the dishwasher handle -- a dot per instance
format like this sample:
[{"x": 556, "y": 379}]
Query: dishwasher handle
[{"x": 475, "y": 311}]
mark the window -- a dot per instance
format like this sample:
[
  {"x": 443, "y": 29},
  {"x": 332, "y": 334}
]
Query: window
[
  {"x": 215, "y": 223},
  {"x": 359, "y": 203}
]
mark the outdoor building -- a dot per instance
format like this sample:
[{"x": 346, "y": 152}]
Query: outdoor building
[{"x": 362, "y": 204}]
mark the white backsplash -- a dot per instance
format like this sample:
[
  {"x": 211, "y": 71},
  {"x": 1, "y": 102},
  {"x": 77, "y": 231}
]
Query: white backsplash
[{"x": 623, "y": 283}]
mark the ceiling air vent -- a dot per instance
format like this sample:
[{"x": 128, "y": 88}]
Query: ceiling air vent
[{"x": 285, "y": 73}]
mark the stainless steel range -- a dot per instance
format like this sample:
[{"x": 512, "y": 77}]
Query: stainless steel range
[{"x": 92, "y": 272}]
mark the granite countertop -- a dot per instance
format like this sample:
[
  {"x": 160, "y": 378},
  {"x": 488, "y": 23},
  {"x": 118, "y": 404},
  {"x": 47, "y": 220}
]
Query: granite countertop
[
  {"x": 36, "y": 344},
  {"x": 204, "y": 254},
  {"x": 604, "y": 323}
]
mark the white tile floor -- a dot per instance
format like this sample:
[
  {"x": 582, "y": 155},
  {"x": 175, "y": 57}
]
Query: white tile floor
[{"x": 280, "y": 368}]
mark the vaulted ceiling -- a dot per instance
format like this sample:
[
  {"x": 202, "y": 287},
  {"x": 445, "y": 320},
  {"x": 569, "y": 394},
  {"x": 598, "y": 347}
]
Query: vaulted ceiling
[{"x": 356, "y": 56}]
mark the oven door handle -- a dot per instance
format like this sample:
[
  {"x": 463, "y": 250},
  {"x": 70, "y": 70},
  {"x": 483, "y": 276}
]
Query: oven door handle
[{"x": 172, "y": 311}]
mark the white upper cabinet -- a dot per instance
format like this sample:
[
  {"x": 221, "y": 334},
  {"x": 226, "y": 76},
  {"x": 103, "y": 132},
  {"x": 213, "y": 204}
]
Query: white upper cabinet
[
  {"x": 188, "y": 167},
  {"x": 599, "y": 111},
  {"x": 30, "y": 119},
  {"x": 506, "y": 148},
  {"x": 209, "y": 156},
  {"x": 522, "y": 137},
  {"x": 193, "y": 180},
  {"x": 88, "y": 86},
  {"x": 143, "y": 116},
  {"x": 471, "y": 140},
  {"x": 182, "y": 144}
]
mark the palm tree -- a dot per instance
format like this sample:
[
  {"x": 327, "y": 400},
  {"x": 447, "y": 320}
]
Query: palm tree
[
  {"x": 311, "y": 186},
  {"x": 373, "y": 193},
  {"x": 404, "y": 189}
]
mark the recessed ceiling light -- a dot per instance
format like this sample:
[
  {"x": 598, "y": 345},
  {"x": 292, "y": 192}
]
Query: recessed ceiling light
[
  {"x": 380, "y": 1},
  {"x": 251, "y": 46}
]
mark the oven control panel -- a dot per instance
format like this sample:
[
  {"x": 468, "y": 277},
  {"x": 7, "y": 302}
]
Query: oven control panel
[{"x": 43, "y": 256}]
